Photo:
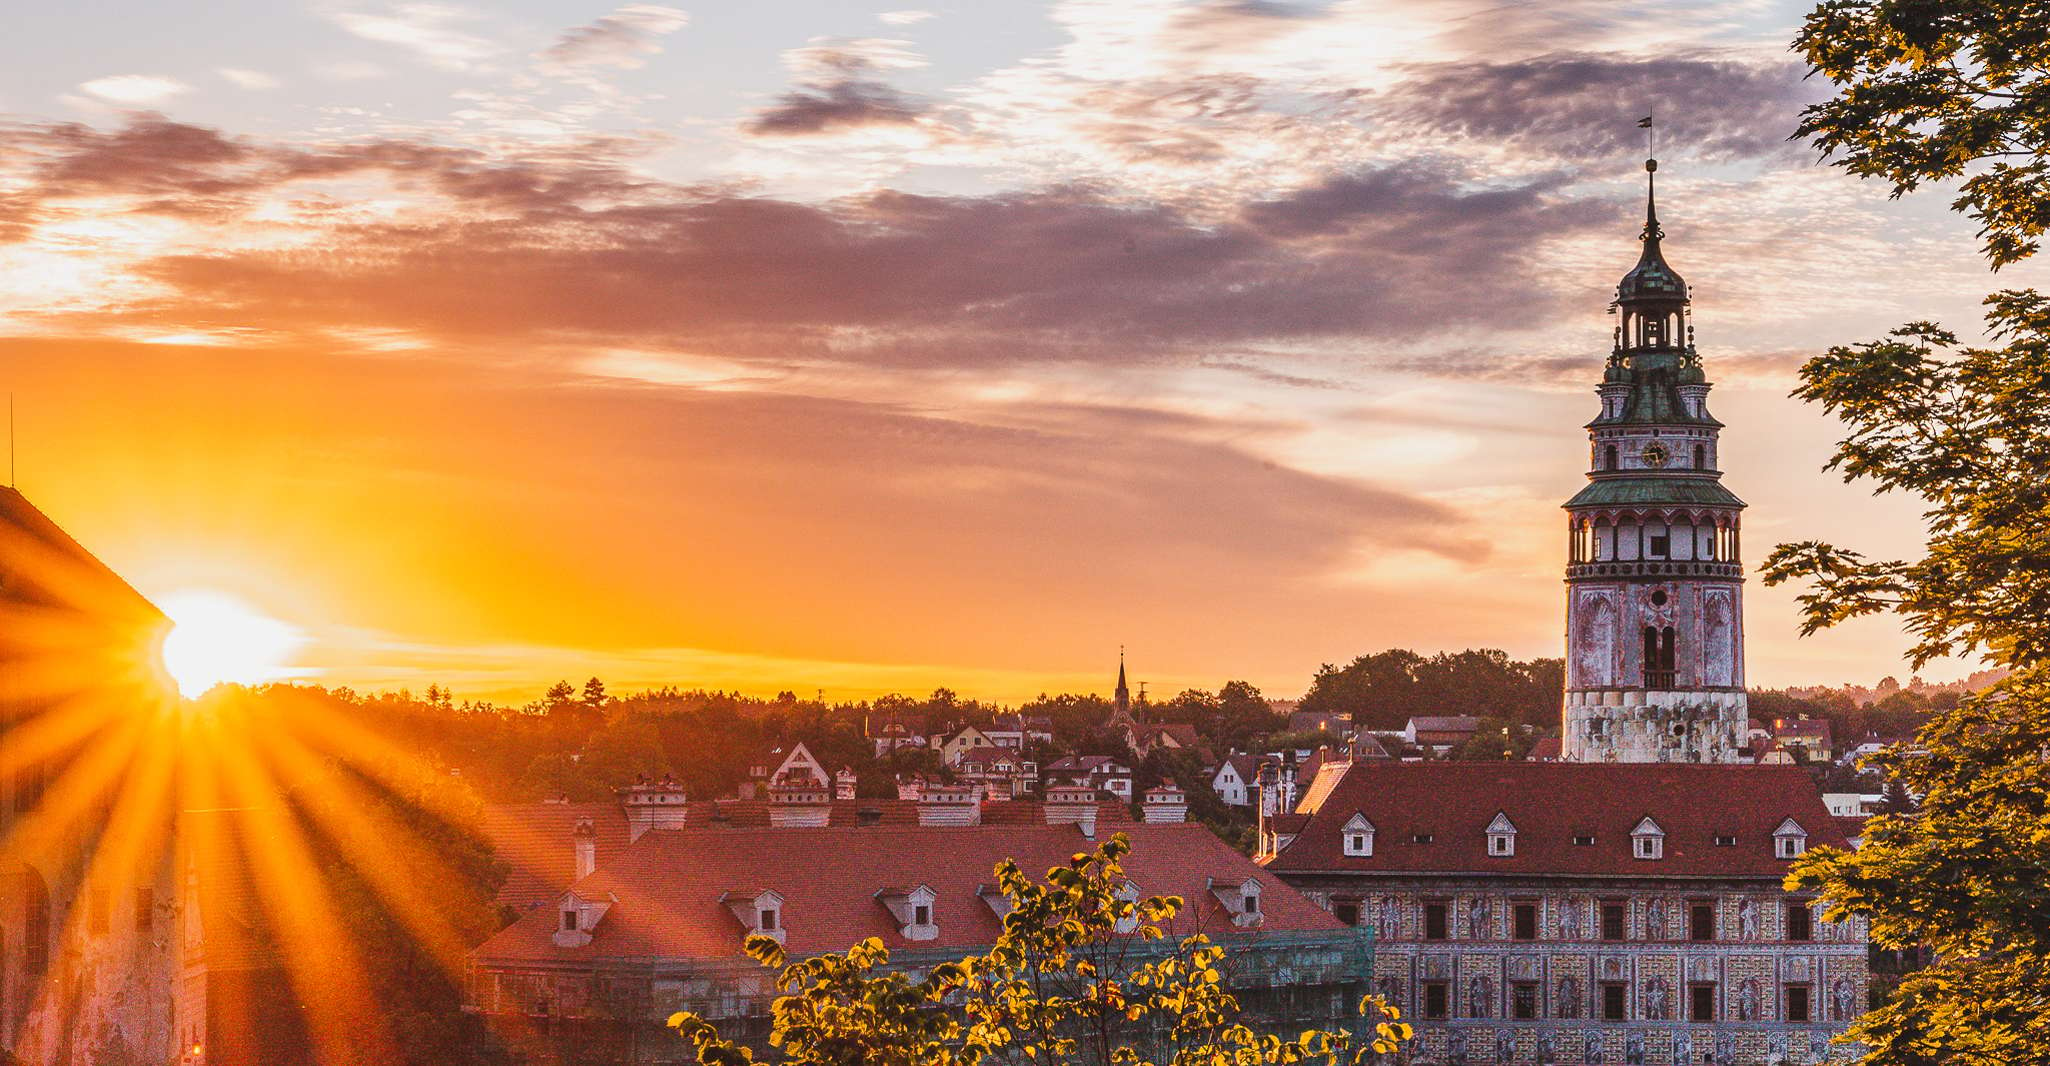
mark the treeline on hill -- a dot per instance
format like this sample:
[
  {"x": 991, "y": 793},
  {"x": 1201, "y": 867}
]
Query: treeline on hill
[{"x": 1386, "y": 689}]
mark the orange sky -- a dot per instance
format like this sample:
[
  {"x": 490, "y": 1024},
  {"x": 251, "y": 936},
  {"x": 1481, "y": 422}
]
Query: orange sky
[{"x": 926, "y": 360}]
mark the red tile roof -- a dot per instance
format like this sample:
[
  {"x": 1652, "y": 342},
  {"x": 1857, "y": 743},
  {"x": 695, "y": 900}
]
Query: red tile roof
[
  {"x": 1550, "y": 804},
  {"x": 537, "y": 840},
  {"x": 668, "y": 887},
  {"x": 1547, "y": 749}
]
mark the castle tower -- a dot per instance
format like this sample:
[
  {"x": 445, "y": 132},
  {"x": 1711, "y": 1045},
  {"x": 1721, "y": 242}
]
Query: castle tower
[{"x": 1654, "y": 585}]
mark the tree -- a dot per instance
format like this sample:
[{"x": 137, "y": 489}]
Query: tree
[
  {"x": 559, "y": 694},
  {"x": 594, "y": 693},
  {"x": 1062, "y": 985},
  {"x": 1937, "y": 92}
]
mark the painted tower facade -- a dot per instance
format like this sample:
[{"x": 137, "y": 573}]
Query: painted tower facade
[{"x": 1654, "y": 581}]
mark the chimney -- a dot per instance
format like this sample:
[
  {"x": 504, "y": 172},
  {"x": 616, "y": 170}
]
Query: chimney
[
  {"x": 653, "y": 805},
  {"x": 1072, "y": 805},
  {"x": 801, "y": 803},
  {"x": 869, "y": 815},
  {"x": 586, "y": 836},
  {"x": 1165, "y": 804},
  {"x": 950, "y": 805}
]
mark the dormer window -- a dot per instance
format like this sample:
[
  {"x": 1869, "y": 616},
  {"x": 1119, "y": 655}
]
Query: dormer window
[
  {"x": 1648, "y": 841},
  {"x": 1128, "y": 893},
  {"x": 1789, "y": 840},
  {"x": 1240, "y": 899},
  {"x": 759, "y": 910},
  {"x": 1501, "y": 837},
  {"x": 1359, "y": 836},
  {"x": 580, "y": 916},
  {"x": 913, "y": 909}
]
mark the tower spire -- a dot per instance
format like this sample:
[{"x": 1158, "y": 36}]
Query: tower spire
[{"x": 1652, "y": 232}]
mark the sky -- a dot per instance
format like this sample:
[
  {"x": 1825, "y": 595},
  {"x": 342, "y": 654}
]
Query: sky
[{"x": 863, "y": 348}]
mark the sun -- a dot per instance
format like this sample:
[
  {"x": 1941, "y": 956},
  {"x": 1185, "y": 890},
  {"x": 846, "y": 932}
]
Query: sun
[{"x": 217, "y": 638}]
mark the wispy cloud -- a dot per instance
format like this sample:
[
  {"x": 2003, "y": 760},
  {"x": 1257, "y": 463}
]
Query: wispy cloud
[
  {"x": 910, "y": 17},
  {"x": 622, "y": 40},
  {"x": 432, "y": 32},
  {"x": 841, "y": 86},
  {"x": 134, "y": 90},
  {"x": 243, "y": 78}
]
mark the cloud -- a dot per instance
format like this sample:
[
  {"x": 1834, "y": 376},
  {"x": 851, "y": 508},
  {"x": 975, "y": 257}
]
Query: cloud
[
  {"x": 841, "y": 87},
  {"x": 622, "y": 40},
  {"x": 428, "y": 30},
  {"x": 905, "y": 18},
  {"x": 1584, "y": 107},
  {"x": 574, "y": 246},
  {"x": 135, "y": 90},
  {"x": 247, "y": 79}
]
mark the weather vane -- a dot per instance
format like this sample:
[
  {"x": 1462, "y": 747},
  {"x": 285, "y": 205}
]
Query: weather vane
[{"x": 1645, "y": 125}]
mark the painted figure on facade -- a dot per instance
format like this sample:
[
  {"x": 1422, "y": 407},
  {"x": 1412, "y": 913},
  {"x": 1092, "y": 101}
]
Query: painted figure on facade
[
  {"x": 1391, "y": 917},
  {"x": 1747, "y": 1000},
  {"x": 1569, "y": 997},
  {"x": 1505, "y": 1045},
  {"x": 1480, "y": 998},
  {"x": 1683, "y": 1046},
  {"x": 1547, "y": 1048},
  {"x": 1656, "y": 1000},
  {"x": 1569, "y": 919},
  {"x": 1455, "y": 1047},
  {"x": 1591, "y": 1048},
  {"x": 1388, "y": 988},
  {"x": 1844, "y": 997},
  {"x": 1747, "y": 918},
  {"x": 1725, "y": 1049},
  {"x": 1477, "y": 918},
  {"x": 1633, "y": 1048},
  {"x": 1655, "y": 919}
]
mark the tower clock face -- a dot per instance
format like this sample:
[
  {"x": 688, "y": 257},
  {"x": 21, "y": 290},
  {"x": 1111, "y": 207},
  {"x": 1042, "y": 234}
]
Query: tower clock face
[{"x": 1654, "y": 454}]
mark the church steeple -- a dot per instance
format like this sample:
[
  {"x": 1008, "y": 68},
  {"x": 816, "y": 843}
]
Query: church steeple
[{"x": 1123, "y": 693}]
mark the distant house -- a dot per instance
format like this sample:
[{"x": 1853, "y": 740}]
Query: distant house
[
  {"x": 1100, "y": 772},
  {"x": 794, "y": 765},
  {"x": 1145, "y": 737},
  {"x": 1018, "y": 731},
  {"x": 1872, "y": 744},
  {"x": 1809, "y": 734},
  {"x": 1368, "y": 746},
  {"x": 968, "y": 738},
  {"x": 1233, "y": 779},
  {"x": 896, "y": 731},
  {"x": 1319, "y": 722},
  {"x": 1545, "y": 750},
  {"x": 1001, "y": 773},
  {"x": 1439, "y": 734}
]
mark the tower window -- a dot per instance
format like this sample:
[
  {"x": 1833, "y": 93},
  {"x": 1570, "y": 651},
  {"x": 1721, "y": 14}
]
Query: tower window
[
  {"x": 1701, "y": 457},
  {"x": 1609, "y": 457},
  {"x": 1660, "y": 545}
]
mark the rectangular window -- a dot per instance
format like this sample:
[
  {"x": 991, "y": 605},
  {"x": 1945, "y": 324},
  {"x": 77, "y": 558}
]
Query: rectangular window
[
  {"x": 569, "y": 921},
  {"x": 1797, "y": 1003},
  {"x": 145, "y": 909},
  {"x": 922, "y": 914},
  {"x": 1584, "y": 839},
  {"x": 767, "y": 921},
  {"x": 1799, "y": 922},
  {"x": 1722, "y": 841},
  {"x": 1434, "y": 921},
  {"x": 1701, "y": 921},
  {"x": 1613, "y": 1001},
  {"x": 1346, "y": 910},
  {"x": 1658, "y": 545},
  {"x": 1436, "y": 995},
  {"x": 1523, "y": 999},
  {"x": 1701, "y": 1003},
  {"x": 1524, "y": 921},
  {"x": 1420, "y": 838},
  {"x": 1612, "y": 921}
]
